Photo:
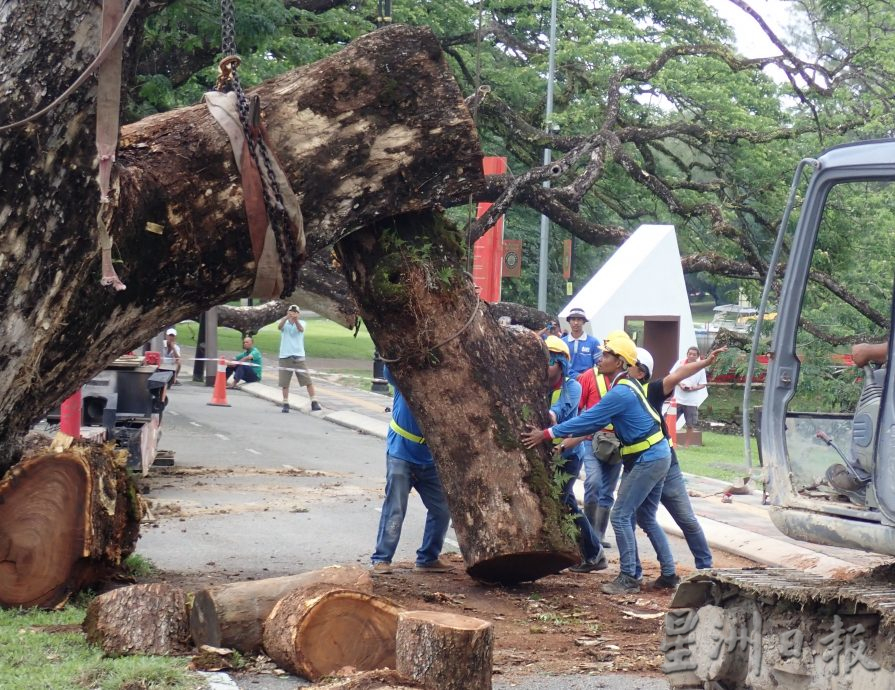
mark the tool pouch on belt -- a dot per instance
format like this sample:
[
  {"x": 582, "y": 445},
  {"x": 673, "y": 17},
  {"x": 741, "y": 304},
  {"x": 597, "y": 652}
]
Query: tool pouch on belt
[{"x": 606, "y": 447}]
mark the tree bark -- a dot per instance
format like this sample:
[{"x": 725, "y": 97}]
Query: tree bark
[
  {"x": 233, "y": 615},
  {"x": 445, "y": 651},
  {"x": 473, "y": 385},
  {"x": 317, "y": 630},
  {"x": 377, "y": 129},
  {"x": 141, "y": 619},
  {"x": 67, "y": 520}
]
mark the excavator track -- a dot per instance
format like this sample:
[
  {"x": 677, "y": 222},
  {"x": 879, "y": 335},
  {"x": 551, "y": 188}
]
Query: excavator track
[{"x": 776, "y": 628}]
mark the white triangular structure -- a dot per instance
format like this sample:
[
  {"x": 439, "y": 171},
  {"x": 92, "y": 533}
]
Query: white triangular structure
[{"x": 643, "y": 278}]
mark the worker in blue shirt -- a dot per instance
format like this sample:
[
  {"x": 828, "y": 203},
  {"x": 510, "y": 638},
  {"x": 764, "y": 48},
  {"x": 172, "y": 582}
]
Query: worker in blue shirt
[
  {"x": 646, "y": 453},
  {"x": 584, "y": 349},
  {"x": 409, "y": 465},
  {"x": 564, "y": 398}
]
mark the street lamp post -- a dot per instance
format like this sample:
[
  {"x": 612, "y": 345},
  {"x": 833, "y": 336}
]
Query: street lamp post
[{"x": 545, "y": 221}]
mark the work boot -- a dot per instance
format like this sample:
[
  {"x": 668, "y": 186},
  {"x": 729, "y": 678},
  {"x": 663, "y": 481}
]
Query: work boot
[
  {"x": 315, "y": 406},
  {"x": 381, "y": 568},
  {"x": 590, "y": 565},
  {"x": 665, "y": 582},
  {"x": 622, "y": 584},
  {"x": 285, "y": 407},
  {"x": 436, "y": 566},
  {"x": 601, "y": 522}
]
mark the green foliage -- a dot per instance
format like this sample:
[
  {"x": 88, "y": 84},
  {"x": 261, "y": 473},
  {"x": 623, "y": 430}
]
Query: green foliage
[
  {"x": 138, "y": 566},
  {"x": 707, "y": 132}
]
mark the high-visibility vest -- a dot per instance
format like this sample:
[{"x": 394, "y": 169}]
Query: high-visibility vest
[
  {"x": 404, "y": 433},
  {"x": 652, "y": 439},
  {"x": 602, "y": 388}
]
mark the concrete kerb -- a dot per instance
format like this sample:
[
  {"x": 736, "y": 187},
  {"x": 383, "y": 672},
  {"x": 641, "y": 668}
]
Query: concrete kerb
[{"x": 723, "y": 537}]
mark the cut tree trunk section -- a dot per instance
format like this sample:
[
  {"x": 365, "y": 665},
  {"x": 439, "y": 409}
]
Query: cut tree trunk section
[
  {"x": 473, "y": 386},
  {"x": 233, "y": 615},
  {"x": 141, "y": 619},
  {"x": 445, "y": 651},
  {"x": 315, "y": 631},
  {"x": 67, "y": 519}
]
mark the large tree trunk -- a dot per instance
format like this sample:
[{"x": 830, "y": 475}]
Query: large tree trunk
[
  {"x": 473, "y": 385},
  {"x": 233, "y": 615},
  {"x": 377, "y": 129},
  {"x": 67, "y": 519}
]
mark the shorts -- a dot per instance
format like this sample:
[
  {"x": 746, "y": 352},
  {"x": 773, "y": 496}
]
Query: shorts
[
  {"x": 296, "y": 365},
  {"x": 691, "y": 415}
]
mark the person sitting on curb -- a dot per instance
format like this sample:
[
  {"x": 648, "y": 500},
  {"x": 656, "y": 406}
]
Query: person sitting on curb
[
  {"x": 564, "y": 398},
  {"x": 246, "y": 366},
  {"x": 674, "y": 490},
  {"x": 644, "y": 448},
  {"x": 410, "y": 465}
]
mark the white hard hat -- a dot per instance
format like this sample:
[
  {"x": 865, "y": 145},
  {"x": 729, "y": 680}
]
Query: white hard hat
[
  {"x": 171, "y": 331},
  {"x": 645, "y": 361}
]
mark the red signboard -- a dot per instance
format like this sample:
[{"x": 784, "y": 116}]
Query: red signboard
[{"x": 487, "y": 256}]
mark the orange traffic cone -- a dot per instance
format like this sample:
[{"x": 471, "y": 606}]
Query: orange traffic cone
[
  {"x": 219, "y": 396},
  {"x": 671, "y": 421}
]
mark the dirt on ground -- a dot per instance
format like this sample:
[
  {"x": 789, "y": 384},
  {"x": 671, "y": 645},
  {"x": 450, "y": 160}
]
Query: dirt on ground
[{"x": 559, "y": 624}]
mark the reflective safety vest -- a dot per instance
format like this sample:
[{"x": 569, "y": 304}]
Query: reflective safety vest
[
  {"x": 602, "y": 388},
  {"x": 404, "y": 433},
  {"x": 652, "y": 439}
]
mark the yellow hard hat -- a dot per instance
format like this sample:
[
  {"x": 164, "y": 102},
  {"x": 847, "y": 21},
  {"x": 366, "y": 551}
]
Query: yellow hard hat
[
  {"x": 620, "y": 343},
  {"x": 555, "y": 344}
]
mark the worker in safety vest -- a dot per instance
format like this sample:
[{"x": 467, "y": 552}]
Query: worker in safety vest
[
  {"x": 674, "y": 498},
  {"x": 565, "y": 393},
  {"x": 409, "y": 465},
  {"x": 643, "y": 447},
  {"x": 600, "y": 455}
]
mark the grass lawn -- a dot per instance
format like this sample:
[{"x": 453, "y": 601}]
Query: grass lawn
[
  {"x": 324, "y": 339},
  {"x": 34, "y": 655},
  {"x": 721, "y": 456}
]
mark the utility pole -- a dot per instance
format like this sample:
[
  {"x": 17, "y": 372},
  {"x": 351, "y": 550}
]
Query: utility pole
[{"x": 548, "y": 127}]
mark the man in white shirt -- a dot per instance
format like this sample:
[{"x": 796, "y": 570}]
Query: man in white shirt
[
  {"x": 689, "y": 394},
  {"x": 292, "y": 356}
]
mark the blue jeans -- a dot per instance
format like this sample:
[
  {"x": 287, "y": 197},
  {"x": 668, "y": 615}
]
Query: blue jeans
[
  {"x": 646, "y": 518},
  {"x": 677, "y": 503},
  {"x": 599, "y": 478},
  {"x": 587, "y": 541},
  {"x": 642, "y": 486},
  {"x": 401, "y": 476}
]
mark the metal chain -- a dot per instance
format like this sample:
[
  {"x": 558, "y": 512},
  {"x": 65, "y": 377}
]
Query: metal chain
[{"x": 273, "y": 195}]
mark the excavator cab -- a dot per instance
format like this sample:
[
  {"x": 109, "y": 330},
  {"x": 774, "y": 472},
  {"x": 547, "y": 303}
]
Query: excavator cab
[
  {"x": 826, "y": 441},
  {"x": 827, "y": 425}
]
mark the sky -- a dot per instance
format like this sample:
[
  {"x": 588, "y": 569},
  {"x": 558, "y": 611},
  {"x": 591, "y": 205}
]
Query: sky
[{"x": 751, "y": 40}]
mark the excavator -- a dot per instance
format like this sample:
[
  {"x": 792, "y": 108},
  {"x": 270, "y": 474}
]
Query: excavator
[{"x": 826, "y": 440}]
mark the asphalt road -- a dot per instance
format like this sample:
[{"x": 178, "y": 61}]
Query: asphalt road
[{"x": 281, "y": 494}]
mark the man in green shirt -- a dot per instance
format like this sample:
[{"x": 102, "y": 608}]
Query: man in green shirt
[{"x": 246, "y": 366}]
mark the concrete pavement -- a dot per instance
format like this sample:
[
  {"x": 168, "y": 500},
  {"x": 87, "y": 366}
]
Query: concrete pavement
[{"x": 742, "y": 527}]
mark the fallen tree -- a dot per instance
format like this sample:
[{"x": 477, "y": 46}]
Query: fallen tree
[{"x": 373, "y": 137}]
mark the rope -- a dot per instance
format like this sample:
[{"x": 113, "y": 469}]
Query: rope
[
  {"x": 88, "y": 71},
  {"x": 475, "y": 311}
]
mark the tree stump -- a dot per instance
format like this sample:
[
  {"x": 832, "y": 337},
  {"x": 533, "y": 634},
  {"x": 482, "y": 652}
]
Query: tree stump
[
  {"x": 67, "y": 520},
  {"x": 374, "y": 680},
  {"x": 444, "y": 651},
  {"x": 141, "y": 619},
  {"x": 233, "y": 615},
  {"x": 317, "y": 630}
]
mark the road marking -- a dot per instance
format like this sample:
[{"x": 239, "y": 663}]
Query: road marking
[
  {"x": 173, "y": 413},
  {"x": 253, "y": 451},
  {"x": 222, "y": 437},
  {"x": 195, "y": 423}
]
